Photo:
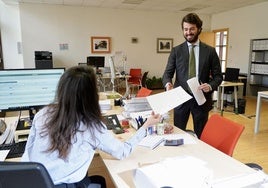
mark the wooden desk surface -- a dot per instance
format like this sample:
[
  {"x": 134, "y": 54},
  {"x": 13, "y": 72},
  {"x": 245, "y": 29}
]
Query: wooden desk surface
[
  {"x": 121, "y": 171},
  {"x": 227, "y": 83}
]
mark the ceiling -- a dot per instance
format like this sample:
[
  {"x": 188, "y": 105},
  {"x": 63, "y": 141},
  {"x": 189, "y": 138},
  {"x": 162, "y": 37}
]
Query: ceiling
[{"x": 198, "y": 6}]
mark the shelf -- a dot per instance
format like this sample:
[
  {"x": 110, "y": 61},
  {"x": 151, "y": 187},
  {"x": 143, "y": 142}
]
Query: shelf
[
  {"x": 259, "y": 50},
  {"x": 257, "y": 62},
  {"x": 258, "y": 65},
  {"x": 259, "y": 85},
  {"x": 252, "y": 73}
]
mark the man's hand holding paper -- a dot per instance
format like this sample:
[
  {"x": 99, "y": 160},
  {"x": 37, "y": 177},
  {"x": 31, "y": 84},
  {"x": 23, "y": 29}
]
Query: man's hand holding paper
[{"x": 197, "y": 92}]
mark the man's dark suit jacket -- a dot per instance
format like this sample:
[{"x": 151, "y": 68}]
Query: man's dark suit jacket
[{"x": 209, "y": 69}]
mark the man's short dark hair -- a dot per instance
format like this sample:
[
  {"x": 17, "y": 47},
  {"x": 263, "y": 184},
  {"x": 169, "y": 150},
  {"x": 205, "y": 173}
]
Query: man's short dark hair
[{"x": 192, "y": 18}]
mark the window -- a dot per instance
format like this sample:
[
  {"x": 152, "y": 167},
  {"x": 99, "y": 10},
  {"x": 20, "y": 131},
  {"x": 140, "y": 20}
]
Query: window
[{"x": 221, "y": 44}]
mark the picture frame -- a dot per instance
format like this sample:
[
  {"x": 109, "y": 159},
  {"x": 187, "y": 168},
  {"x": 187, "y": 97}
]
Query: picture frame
[
  {"x": 164, "y": 45},
  {"x": 100, "y": 44}
]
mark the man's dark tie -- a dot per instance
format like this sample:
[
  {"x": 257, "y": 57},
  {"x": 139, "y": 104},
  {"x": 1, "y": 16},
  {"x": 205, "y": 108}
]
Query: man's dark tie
[{"x": 192, "y": 68}]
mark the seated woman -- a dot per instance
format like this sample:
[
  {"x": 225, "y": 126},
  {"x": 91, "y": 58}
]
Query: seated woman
[{"x": 65, "y": 134}]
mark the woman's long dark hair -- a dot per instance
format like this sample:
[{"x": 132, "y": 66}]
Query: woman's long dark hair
[{"x": 77, "y": 101}]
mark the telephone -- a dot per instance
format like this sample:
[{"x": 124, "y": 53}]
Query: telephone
[{"x": 111, "y": 121}]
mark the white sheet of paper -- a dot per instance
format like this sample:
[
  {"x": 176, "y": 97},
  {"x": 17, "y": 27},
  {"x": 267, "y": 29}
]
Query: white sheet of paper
[
  {"x": 165, "y": 101},
  {"x": 3, "y": 154},
  {"x": 165, "y": 173},
  {"x": 198, "y": 94}
]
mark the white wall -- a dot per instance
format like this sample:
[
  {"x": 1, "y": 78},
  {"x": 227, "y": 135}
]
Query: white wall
[
  {"x": 10, "y": 35},
  {"x": 244, "y": 24},
  {"x": 44, "y": 27}
]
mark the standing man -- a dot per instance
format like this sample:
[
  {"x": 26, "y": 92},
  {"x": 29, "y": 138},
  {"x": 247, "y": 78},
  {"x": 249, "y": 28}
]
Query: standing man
[{"x": 206, "y": 67}]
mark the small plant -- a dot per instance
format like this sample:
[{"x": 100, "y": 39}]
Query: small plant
[{"x": 154, "y": 83}]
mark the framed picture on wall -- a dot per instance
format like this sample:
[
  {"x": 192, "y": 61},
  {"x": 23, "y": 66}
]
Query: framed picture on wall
[
  {"x": 164, "y": 45},
  {"x": 100, "y": 44}
]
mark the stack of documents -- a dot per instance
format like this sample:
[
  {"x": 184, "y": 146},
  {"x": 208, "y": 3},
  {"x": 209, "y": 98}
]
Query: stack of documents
[
  {"x": 136, "y": 105},
  {"x": 105, "y": 104},
  {"x": 184, "y": 171}
]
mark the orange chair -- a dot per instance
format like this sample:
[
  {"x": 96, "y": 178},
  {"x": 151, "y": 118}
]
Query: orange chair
[
  {"x": 222, "y": 133},
  {"x": 143, "y": 92},
  {"x": 135, "y": 79}
]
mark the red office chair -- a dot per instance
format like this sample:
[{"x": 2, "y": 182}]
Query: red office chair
[
  {"x": 143, "y": 92},
  {"x": 135, "y": 79},
  {"x": 222, "y": 133}
]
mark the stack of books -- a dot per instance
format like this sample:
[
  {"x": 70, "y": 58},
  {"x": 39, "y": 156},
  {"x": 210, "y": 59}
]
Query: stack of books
[
  {"x": 105, "y": 105},
  {"x": 136, "y": 105}
]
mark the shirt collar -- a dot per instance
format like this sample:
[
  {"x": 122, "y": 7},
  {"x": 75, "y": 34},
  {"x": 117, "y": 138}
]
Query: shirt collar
[{"x": 196, "y": 44}]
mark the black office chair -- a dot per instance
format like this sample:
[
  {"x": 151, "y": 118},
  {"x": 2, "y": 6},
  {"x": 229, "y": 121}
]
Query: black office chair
[
  {"x": 144, "y": 78},
  {"x": 24, "y": 174},
  {"x": 231, "y": 75}
]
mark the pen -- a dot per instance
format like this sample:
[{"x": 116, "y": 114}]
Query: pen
[
  {"x": 138, "y": 123},
  {"x": 157, "y": 144}
]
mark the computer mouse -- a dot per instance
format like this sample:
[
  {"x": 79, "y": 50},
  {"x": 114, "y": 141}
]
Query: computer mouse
[{"x": 3, "y": 126}]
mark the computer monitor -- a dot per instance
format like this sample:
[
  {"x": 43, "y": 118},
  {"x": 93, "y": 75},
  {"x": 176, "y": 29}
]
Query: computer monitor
[
  {"x": 28, "y": 89},
  {"x": 96, "y": 61}
]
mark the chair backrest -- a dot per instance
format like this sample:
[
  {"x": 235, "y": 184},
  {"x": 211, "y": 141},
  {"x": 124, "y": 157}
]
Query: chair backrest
[
  {"x": 231, "y": 74},
  {"x": 24, "y": 174},
  {"x": 143, "y": 79},
  {"x": 136, "y": 75},
  {"x": 222, "y": 133},
  {"x": 143, "y": 92}
]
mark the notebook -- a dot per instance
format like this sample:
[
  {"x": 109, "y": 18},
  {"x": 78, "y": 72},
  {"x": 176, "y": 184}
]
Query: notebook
[{"x": 151, "y": 141}]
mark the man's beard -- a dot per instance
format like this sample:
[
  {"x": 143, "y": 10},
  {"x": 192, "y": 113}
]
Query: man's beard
[{"x": 192, "y": 40}]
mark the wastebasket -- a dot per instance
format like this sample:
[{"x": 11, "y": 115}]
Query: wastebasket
[{"x": 241, "y": 106}]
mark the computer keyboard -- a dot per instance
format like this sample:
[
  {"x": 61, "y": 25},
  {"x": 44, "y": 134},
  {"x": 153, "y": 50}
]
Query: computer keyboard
[{"x": 16, "y": 149}]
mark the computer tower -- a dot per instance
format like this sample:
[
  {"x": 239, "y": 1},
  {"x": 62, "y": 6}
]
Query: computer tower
[{"x": 43, "y": 60}]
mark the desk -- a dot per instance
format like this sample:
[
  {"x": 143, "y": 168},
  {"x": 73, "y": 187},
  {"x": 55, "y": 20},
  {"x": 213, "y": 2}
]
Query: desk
[
  {"x": 261, "y": 94},
  {"x": 221, "y": 94},
  {"x": 102, "y": 79},
  {"x": 223, "y": 166},
  {"x": 121, "y": 171}
]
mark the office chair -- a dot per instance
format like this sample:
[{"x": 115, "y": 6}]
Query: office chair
[
  {"x": 222, "y": 133},
  {"x": 144, "y": 92},
  {"x": 144, "y": 78},
  {"x": 135, "y": 79},
  {"x": 24, "y": 174},
  {"x": 231, "y": 75}
]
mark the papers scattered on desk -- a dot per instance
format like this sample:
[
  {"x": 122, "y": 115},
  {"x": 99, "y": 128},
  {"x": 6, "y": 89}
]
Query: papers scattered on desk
[
  {"x": 184, "y": 171},
  {"x": 3, "y": 154},
  {"x": 151, "y": 141},
  {"x": 163, "y": 102},
  {"x": 255, "y": 179},
  {"x": 136, "y": 105},
  {"x": 105, "y": 105}
]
